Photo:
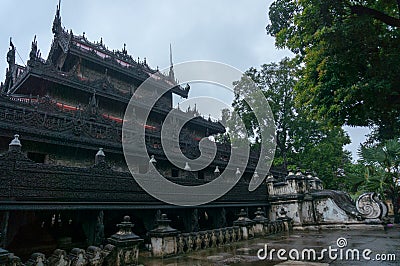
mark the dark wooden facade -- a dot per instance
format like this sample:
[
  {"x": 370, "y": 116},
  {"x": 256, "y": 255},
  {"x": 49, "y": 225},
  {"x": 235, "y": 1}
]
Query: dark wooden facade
[{"x": 65, "y": 108}]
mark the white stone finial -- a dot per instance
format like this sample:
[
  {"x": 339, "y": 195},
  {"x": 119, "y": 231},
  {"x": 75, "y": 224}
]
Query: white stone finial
[
  {"x": 15, "y": 141},
  {"x": 255, "y": 175},
  {"x": 187, "y": 167},
  {"x": 100, "y": 157},
  {"x": 216, "y": 170},
  {"x": 238, "y": 172},
  {"x": 15, "y": 144},
  {"x": 270, "y": 178},
  {"x": 152, "y": 159},
  {"x": 100, "y": 152}
]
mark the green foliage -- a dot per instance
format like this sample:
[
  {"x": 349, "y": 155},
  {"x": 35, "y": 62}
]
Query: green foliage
[
  {"x": 301, "y": 141},
  {"x": 349, "y": 52},
  {"x": 378, "y": 170}
]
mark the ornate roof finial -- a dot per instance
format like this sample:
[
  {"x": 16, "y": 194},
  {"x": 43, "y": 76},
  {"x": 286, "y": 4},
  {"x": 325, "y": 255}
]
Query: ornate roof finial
[
  {"x": 93, "y": 101},
  {"x": 57, "y": 20},
  {"x": 34, "y": 51},
  {"x": 11, "y": 44},
  {"x": 11, "y": 55},
  {"x": 171, "y": 68},
  {"x": 124, "y": 49}
]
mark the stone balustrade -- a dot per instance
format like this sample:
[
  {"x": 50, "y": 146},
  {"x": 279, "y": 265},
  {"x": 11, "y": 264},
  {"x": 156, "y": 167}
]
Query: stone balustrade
[
  {"x": 122, "y": 250},
  {"x": 123, "y": 247},
  {"x": 243, "y": 229},
  {"x": 92, "y": 256}
]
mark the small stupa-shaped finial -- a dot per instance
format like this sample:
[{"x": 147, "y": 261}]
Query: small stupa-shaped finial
[
  {"x": 152, "y": 160},
  {"x": 216, "y": 171},
  {"x": 298, "y": 172},
  {"x": 100, "y": 157},
  {"x": 187, "y": 167},
  {"x": 270, "y": 178},
  {"x": 238, "y": 173},
  {"x": 255, "y": 175},
  {"x": 15, "y": 144}
]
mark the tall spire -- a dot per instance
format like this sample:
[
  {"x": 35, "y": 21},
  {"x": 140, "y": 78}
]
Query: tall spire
[
  {"x": 57, "y": 20},
  {"x": 170, "y": 55},
  {"x": 171, "y": 68}
]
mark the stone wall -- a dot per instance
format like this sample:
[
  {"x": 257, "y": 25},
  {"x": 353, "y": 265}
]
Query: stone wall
[{"x": 303, "y": 199}]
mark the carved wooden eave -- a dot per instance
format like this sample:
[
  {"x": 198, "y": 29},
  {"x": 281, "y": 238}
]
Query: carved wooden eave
[
  {"x": 42, "y": 120},
  {"x": 30, "y": 185},
  {"x": 43, "y": 71},
  {"x": 119, "y": 62},
  {"x": 67, "y": 44}
]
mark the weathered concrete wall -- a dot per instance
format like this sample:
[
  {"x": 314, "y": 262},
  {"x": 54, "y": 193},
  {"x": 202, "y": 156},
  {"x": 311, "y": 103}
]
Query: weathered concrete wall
[
  {"x": 327, "y": 211},
  {"x": 292, "y": 207},
  {"x": 309, "y": 212}
]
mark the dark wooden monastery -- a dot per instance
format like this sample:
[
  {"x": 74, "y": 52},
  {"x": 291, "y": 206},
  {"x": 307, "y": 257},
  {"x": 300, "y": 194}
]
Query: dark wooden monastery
[{"x": 63, "y": 179}]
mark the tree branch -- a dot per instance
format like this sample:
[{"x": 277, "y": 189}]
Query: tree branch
[{"x": 362, "y": 10}]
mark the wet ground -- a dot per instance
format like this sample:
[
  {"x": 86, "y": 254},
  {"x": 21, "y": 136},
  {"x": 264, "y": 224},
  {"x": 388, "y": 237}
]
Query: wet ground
[{"x": 381, "y": 243}]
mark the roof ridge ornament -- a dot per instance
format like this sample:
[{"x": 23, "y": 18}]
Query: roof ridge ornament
[
  {"x": 57, "y": 20},
  {"x": 171, "y": 68}
]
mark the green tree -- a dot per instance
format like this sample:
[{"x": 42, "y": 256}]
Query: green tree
[
  {"x": 301, "y": 142},
  {"x": 382, "y": 170},
  {"x": 349, "y": 53}
]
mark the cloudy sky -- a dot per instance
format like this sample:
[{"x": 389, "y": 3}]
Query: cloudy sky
[{"x": 231, "y": 32}]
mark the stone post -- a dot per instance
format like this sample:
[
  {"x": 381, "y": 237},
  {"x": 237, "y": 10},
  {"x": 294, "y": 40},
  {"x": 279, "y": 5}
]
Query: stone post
[
  {"x": 287, "y": 221},
  {"x": 126, "y": 244},
  {"x": 59, "y": 258},
  {"x": 36, "y": 259},
  {"x": 100, "y": 157},
  {"x": 164, "y": 238},
  {"x": 245, "y": 224},
  {"x": 270, "y": 184},
  {"x": 318, "y": 183},
  {"x": 7, "y": 258},
  {"x": 260, "y": 222},
  {"x": 94, "y": 256}
]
